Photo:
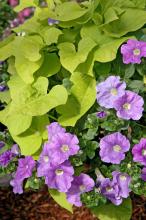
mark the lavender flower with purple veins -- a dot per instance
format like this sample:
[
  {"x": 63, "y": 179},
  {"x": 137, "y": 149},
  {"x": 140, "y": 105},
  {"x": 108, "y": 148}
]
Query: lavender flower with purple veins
[
  {"x": 133, "y": 51},
  {"x": 113, "y": 148},
  {"x": 110, "y": 191},
  {"x": 17, "y": 186},
  {"x": 5, "y": 158},
  {"x": 139, "y": 152},
  {"x": 123, "y": 181},
  {"x": 81, "y": 184},
  {"x": 143, "y": 174},
  {"x": 52, "y": 21},
  {"x": 53, "y": 130},
  {"x": 15, "y": 150},
  {"x": 25, "y": 167},
  {"x": 44, "y": 162},
  {"x": 109, "y": 91},
  {"x": 129, "y": 106},
  {"x": 64, "y": 146},
  {"x": 2, "y": 144},
  {"x": 101, "y": 114},
  {"x": 60, "y": 177}
]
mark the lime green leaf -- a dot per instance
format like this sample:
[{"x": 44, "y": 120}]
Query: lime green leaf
[
  {"x": 50, "y": 66},
  {"x": 131, "y": 20},
  {"x": 29, "y": 46},
  {"x": 69, "y": 58},
  {"x": 5, "y": 96},
  {"x": 112, "y": 212},
  {"x": 25, "y": 4},
  {"x": 69, "y": 11},
  {"x": 28, "y": 101},
  {"x": 30, "y": 141},
  {"x": 25, "y": 68},
  {"x": 51, "y": 35},
  {"x": 60, "y": 198},
  {"x": 108, "y": 51},
  {"x": 83, "y": 95}
]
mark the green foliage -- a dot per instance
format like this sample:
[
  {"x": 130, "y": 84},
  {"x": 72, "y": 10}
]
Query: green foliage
[
  {"x": 110, "y": 211},
  {"x": 60, "y": 198}
]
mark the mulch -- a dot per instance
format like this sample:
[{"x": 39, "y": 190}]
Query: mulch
[{"x": 40, "y": 206}]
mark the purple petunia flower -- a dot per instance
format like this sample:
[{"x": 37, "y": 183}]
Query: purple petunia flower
[
  {"x": 113, "y": 148},
  {"x": 60, "y": 177},
  {"x": 109, "y": 91},
  {"x": 25, "y": 167},
  {"x": 129, "y": 106},
  {"x": 123, "y": 180},
  {"x": 15, "y": 150},
  {"x": 81, "y": 184},
  {"x": 2, "y": 144},
  {"x": 52, "y": 21},
  {"x": 5, "y": 158},
  {"x": 24, "y": 170},
  {"x": 101, "y": 114},
  {"x": 53, "y": 130},
  {"x": 44, "y": 161},
  {"x": 64, "y": 146},
  {"x": 143, "y": 174},
  {"x": 133, "y": 51},
  {"x": 110, "y": 191},
  {"x": 139, "y": 152},
  {"x": 116, "y": 189},
  {"x": 17, "y": 186}
]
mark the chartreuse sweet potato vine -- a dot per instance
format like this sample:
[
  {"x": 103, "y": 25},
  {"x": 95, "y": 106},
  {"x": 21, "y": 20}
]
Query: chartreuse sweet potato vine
[{"x": 55, "y": 59}]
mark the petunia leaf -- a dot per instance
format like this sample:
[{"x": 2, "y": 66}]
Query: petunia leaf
[
  {"x": 110, "y": 211},
  {"x": 60, "y": 198}
]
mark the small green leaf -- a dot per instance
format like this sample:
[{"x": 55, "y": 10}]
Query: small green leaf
[
  {"x": 60, "y": 198},
  {"x": 112, "y": 212}
]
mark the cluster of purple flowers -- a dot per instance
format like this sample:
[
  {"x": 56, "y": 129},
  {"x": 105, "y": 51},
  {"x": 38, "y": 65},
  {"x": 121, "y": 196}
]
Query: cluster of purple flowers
[
  {"x": 112, "y": 94},
  {"x": 117, "y": 188},
  {"x": 133, "y": 51},
  {"x": 8, "y": 155},
  {"x": 55, "y": 167}
]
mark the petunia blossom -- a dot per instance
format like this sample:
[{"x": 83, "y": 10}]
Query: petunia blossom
[
  {"x": 5, "y": 158},
  {"x": 113, "y": 148},
  {"x": 64, "y": 146},
  {"x": 139, "y": 152},
  {"x": 129, "y": 106},
  {"x": 53, "y": 130},
  {"x": 44, "y": 161},
  {"x": 133, "y": 51},
  {"x": 60, "y": 176},
  {"x": 109, "y": 91},
  {"x": 81, "y": 184}
]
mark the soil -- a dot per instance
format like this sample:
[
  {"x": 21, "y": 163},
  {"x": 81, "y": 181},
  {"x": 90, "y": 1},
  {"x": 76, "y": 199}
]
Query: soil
[{"x": 39, "y": 206}]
